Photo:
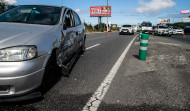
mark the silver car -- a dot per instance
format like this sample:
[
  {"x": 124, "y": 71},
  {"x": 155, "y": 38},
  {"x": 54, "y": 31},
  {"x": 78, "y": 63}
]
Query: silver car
[
  {"x": 177, "y": 30},
  {"x": 126, "y": 29},
  {"x": 36, "y": 42}
]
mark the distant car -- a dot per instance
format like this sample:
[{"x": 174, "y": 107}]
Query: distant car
[
  {"x": 126, "y": 29},
  {"x": 187, "y": 28},
  {"x": 162, "y": 30},
  {"x": 176, "y": 30},
  {"x": 37, "y": 41}
]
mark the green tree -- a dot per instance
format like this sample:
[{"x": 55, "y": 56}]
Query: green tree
[
  {"x": 4, "y": 6},
  {"x": 179, "y": 24}
]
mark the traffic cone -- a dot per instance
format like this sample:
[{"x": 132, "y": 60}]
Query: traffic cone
[
  {"x": 108, "y": 34},
  {"x": 184, "y": 37}
]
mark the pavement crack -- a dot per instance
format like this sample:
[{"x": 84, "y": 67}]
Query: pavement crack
[
  {"x": 103, "y": 89},
  {"x": 97, "y": 96}
]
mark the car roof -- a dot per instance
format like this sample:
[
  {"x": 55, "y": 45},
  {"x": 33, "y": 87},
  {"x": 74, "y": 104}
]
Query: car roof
[
  {"x": 45, "y": 5},
  {"x": 126, "y": 24}
]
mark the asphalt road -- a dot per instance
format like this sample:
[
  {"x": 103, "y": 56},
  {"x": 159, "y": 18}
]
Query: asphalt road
[
  {"x": 72, "y": 93},
  {"x": 134, "y": 88}
]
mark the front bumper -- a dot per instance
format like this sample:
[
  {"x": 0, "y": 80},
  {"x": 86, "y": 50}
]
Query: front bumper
[
  {"x": 20, "y": 78},
  {"x": 178, "y": 33},
  {"x": 126, "y": 31},
  {"x": 163, "y": 33}
]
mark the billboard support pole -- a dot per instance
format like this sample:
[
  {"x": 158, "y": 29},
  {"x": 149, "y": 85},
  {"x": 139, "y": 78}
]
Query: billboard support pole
[
  {"x": 107, "y": 15},
  {"x": 100, "y": 23}
]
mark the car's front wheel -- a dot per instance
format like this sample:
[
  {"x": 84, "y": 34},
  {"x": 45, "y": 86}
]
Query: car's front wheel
[
  {"x": 50, "y": 74},
  {"x": 83, "y": 46}
]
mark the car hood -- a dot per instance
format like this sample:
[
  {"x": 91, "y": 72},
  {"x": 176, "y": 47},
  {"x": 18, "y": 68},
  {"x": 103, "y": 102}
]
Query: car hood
[{"x": 14, "y": 34}]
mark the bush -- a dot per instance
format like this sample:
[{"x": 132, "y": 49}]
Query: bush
[{"x": 179, "y": 24}]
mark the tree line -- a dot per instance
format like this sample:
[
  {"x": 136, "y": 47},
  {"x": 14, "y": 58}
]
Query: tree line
[{"x": 4, "y": 6}]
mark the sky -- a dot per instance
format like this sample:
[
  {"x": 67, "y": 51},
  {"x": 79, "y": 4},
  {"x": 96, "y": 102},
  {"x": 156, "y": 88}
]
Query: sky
[{"x": 123, "y": 11}]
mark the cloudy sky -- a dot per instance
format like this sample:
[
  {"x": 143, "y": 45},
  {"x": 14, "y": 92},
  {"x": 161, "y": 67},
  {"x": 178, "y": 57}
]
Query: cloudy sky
[{"x": 123, "y": 11}]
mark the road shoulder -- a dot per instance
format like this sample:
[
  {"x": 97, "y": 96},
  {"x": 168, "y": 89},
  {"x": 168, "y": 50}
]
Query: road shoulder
[{"x": 159, "y": 83}]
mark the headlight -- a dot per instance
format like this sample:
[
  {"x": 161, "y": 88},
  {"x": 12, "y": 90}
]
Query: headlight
[{"x": 20, "y": 53}]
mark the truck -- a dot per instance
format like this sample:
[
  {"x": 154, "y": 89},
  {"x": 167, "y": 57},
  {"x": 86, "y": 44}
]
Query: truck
[{"x": 146, "y": 27}]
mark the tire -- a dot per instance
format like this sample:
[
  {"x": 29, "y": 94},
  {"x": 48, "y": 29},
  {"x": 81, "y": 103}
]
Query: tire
[
  {"x": 83, "y": 46},
  {"x": 50, "y": 74},
  {"x": 65, "y": 72}
]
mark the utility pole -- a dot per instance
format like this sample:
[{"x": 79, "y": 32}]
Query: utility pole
[{"x": 107, "y": 15}]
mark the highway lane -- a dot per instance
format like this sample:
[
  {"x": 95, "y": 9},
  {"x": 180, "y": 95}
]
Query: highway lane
[{"x": 72, "y": 93}]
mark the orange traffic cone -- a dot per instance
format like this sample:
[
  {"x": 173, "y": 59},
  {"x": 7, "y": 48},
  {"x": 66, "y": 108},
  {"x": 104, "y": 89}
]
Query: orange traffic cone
[{"x": 184, "y": 37}]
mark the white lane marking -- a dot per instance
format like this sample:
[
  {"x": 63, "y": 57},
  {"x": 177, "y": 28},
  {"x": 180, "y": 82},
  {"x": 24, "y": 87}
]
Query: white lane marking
[
  {"x": 92, "y": 46},
  {"x": 170, "y": 44},
  {"x": 97, "y": 97}
]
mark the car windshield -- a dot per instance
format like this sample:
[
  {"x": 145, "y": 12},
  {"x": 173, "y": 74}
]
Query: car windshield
[
  {"x": 44, "y": 15},
  {"x": 176, "y": 28},
  {"x": 187, "y": 25},
  {"x": 146, "y": 24},
  {"x": 126, "y": 25},
  {"x": 163, "y": 27}
]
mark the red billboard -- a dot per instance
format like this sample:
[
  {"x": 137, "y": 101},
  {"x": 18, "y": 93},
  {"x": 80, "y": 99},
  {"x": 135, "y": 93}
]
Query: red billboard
[{"x": 100, "y": 11}]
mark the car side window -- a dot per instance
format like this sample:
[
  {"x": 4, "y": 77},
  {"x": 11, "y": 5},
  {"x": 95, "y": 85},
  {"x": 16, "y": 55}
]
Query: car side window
[
  {"x": 77, "y": 19},
  {"x": 69, "y": 22}
]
